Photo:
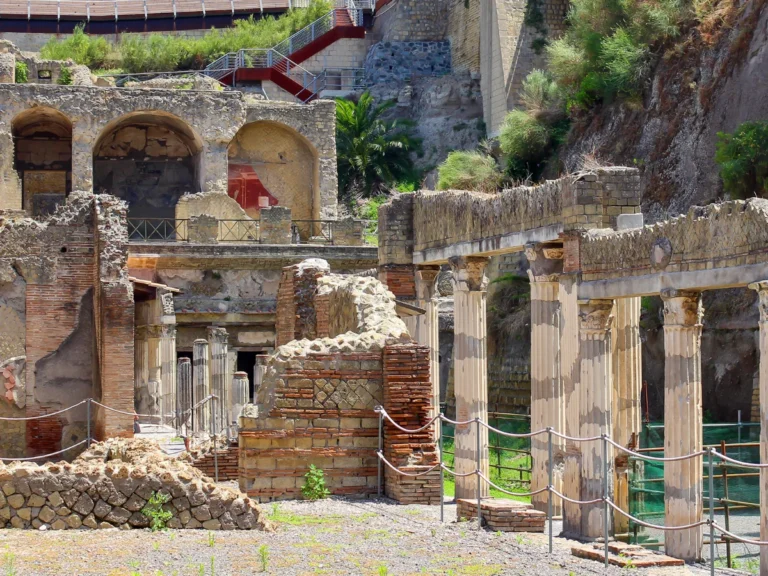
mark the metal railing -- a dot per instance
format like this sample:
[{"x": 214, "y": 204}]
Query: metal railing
[
  {"x": 312, "y": 231},
  {"x": 239, "y": 231},
  {"x": 158, "y": 229}
]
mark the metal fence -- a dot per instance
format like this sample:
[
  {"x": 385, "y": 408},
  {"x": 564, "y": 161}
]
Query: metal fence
[
  {"x": 239, "y": 231},
  {"x": 158, "y": 229}
]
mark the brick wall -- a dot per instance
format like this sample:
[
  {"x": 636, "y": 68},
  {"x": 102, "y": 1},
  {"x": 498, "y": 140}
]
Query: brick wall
[{"x": 228, "y": 462}]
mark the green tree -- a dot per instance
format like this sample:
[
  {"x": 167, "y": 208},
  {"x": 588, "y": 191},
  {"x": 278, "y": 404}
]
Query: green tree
[
  {"x": 743, "y": 159},
  {"x": 469, "y": 170},
  {"x": 372, "y": 152}
]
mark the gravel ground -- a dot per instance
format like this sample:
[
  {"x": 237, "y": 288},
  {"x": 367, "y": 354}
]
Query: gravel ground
[{"x": 335, "y": 536}]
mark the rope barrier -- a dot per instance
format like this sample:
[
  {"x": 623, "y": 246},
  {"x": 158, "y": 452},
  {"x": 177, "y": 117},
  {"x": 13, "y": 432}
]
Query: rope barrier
[
  {"x": 739, "y": 538},
  {"x": 47, "y": 455},
  {"x": 388, "y": 463},
  {"x": 738, "y": 462},
  {"x": 456, "y": 474},
  {"x": 656, "y": 526},
  {"x": 406, "y": 430},
  {"x": 575, "y": 438},
  {"x": 579, "y": 502},
  {"x": 511, "y": 434},
  {"x": 500, "y": 489},
  {"x": 44, "y": 415},
  {"x": 655, "y": 458}
]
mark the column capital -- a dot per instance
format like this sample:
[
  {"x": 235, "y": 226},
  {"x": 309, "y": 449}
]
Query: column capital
[
  {"x": 140, "y": 333},
  {"x": 168, "y": 331},
  {"x": 154, "y": 330},
  {"x": 682, "y": 307},
  {"x": 545, "y": 261},
  {"x": 595, "y": 315},
  {"x": 425, "y": 281},
  {"x": 217, "y": 335},
  {"x": 469, "y": 273}
]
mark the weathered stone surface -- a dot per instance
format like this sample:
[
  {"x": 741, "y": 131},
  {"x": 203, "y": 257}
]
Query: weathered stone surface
[
  {"x": 16, "y": 501},
  {"x": 46, "y": 514},
  {"x": 84, "y": 505}
]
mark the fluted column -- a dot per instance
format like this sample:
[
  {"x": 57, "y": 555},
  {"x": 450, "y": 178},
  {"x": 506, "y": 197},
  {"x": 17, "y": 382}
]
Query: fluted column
[
  {"x": 683, "y": 424},
  {"x": 201, "y": 384},
  {"x": 140, "y": 366},
  {"x": 470, "y": 370},
  {"x": 570, "y": 373},
  {"x": 184, "y": 394},
  {"x": 153, "y": 401},
  {"x": 220, "y": 379},
  {"x": 168, "y": 372},
  {"x": 240, "y": 395},
  {"x": 762, "y": 290},
  {"x": 427, "y": 331},
  {"x": 595, "y": 406},
  {"x": 627, "y": 384}
]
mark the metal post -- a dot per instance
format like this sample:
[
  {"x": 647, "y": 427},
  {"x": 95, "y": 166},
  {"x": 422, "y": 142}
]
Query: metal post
[
  {"x": 442, "y": 473},
  {"x": 88, "y": 422},
  {"x": 551, "y": 486},
  {"x": 726, "y": 505},
  {"x": 477, "y": 471},
  {"x": 605, "y": 495},
  {"x": 381, "y": 445},
  {"x": 213, "y": 429},
  {"x": 711, "y": 516}
]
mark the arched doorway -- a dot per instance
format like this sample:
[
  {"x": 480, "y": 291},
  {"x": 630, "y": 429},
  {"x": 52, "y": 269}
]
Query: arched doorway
[
  {"x": 272, "y": 164},
  {"x": 149, "y": 159},
  {"x": 42, "y": 142}
]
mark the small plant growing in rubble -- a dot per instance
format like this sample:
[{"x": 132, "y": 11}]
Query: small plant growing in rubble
[
  {"x": 10, "y": 564},
  {"x": 65, "y": 77},
  {"x": 211, "y": 539},
  {"x": 22, "y": 73},
  {"x": 264, "y": 557},
  {"x": 314, "y": 487},
  {"x": 158, "y": 517},
  {"x": 383, "y": 570}
]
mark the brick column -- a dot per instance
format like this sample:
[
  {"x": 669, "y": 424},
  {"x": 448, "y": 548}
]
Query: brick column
[
  {"x": 627, "y": 384},
  {"x": 427, "y": 331},
  {"x": 168, "y": 372},
  {"x": 201, "y": 384},
  {"x": 470, "y": 370},
  {"x": 762, "y": 290},
  {"x": 217, "y": 340},
  {"x": 596, "y": 391},
  {"x": 683, "y": 424}
]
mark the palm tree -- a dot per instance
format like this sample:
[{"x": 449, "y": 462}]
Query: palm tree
[{"x": 372, "y": 152}]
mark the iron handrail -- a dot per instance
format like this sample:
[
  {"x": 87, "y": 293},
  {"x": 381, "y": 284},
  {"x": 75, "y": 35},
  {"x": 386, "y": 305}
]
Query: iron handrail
[
  {"x": 158, "y": 229},
  {"x": 234, "y": 230}
]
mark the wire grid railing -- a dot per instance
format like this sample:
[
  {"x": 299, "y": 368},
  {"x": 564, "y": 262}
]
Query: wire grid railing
[
  {"x": 158, "y": 229},
  {"x": 605, "y": 500},
  {"x": 239, "y": 231},
  {"x": 312, "y": 231},
  {"x": 179, "y": 416}
]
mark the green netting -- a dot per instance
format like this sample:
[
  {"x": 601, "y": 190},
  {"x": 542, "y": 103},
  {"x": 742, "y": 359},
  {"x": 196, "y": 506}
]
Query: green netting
[{"x": 646, "y": 479}]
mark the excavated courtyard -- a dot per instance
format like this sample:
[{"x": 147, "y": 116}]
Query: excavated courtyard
[{"x": 335, "y": 536}]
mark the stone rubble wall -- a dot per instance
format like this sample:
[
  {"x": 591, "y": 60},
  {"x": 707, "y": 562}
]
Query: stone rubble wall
[
  {"x": 727, "y": 234},
  {"x": 389, "y": 62},
  {"x": 106, "y": 489}
]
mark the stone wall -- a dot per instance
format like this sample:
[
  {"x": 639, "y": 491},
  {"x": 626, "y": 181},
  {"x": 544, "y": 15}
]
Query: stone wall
[
  {"x": 400, "y": 61},
  {"x": 412, "y": 21},
  {"x": 464, "y": 35},
  {"x": 105, "y": 489}
]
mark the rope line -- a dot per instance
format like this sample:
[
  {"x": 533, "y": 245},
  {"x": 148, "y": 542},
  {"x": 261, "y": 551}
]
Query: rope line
[
  {"x": 406, "y": 430},
  {"x": 738, "y": 462},
  {"x": 576, "y": 438},
  {"x": 47, "y": 455},
  {"x": 44, "y": 415},
  {"x": 534, "y": 493},
  {"x": 388, "y": 463},
  {"x": 511, "y": 434},
  {"x": 579, "y": 502},
  {"x": 739, "y": 538},
  {"x": 656, "y": 458},
  {"x": 656, "y": 526}
]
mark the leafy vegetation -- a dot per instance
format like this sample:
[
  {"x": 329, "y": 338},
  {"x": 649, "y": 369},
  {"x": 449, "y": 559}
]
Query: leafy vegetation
[
  {"x": 65, "y": 77},
  {"x": 166, "y": 52},
  {"x": 154, "y": 511},
  {"x": 21, "y": 73},
  {"x": 469, "y": 170},
  {"x": 373, "y": 153},
  {"x": 314, "y": 485},
  {"x": 607, "y": 49},
  {"x": 743, "y": 160}
]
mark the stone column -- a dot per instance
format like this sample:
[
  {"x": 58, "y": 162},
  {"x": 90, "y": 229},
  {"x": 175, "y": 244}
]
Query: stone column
[
  {"x": 570, "y": 373},
  {"x": 595, "y": 406},
  {"x": 627, "y": 385},
  {"x": 184, "y": 394},
  {"x": 168, "y": 373},
  {"x": 547, "y": 402},
  {"x": 241, "y": 395},
  {"x": 470, "y": 370},
  {"x": 140, "y": 365},
  {"x": 201, "y": 385},
  {"x": 683, "y": 424},
  {"x": 83, "y": 140},
  {"x": 762, "y": 290},
  {"x": 427, "y": 331},
  {"x": 153, "y": 399},
  {"x": 220, "y": 378}
]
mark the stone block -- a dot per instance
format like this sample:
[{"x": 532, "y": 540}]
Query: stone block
[
  {"x": 275, "y": 224},
  {"x": 203, "y": 229}
]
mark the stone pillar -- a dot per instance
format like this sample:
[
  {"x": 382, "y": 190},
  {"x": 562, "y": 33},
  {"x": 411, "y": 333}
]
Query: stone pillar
[
  {"x": 168, "y": 373},
  {"x": 570, "y": 373},
  {"x": 140, "y": 366},
  {"x": 184, "y": 394},
  {"x": 153, "y": 400},
  {"x": 220, "y": 378},
  {"x": 762, "y": 290},
  {"x": 683, "y": 424},
  {"x": 83, "y": 140},
  {"x": 7, "y": 68},
  {"x": 275, "y": 225},
  {"x": 203, "y": 229},
  {"x": 470, "y": 370},
  {"x": 201, "y": 385},
  {"x": 627, "y": 385},
  {"x": 547, "y": 402},
  {"x": 427, "y": 331},
  {"x": 241, "y": 395},
  {"x": 596, "y": 407}
]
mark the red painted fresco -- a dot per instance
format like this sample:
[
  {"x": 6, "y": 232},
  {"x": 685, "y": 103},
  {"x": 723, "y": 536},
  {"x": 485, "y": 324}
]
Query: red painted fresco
[{"x": 245, "y": 187}]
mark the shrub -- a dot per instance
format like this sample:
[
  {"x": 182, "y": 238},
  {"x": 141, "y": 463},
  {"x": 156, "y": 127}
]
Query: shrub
[
  {"x": 540, "y": 92},
  {"x": 314, "y": 485},
  {"x": 523, "y": 136},
  {"x": 567, "y": 62},
  {"x": 743, "y": 159},
  {"x": 80, "y": 47},
  {"x": 625, "y": 63},
  {"x": 21, "y": 73},
  {"x": 464, "y": 170},
  {"x": 65, "y": 77},
  {"x": 154, "y": 511}
]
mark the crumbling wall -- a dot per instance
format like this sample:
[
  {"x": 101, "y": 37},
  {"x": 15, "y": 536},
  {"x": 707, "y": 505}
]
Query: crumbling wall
[{"x": 109, "y": 485}]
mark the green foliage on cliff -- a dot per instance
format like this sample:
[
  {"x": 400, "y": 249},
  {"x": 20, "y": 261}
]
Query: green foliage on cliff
[
  {"x": 743, "y": 160},
  {"x": 469, "y": 170},
  {"x": 166, "y": 52}
]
